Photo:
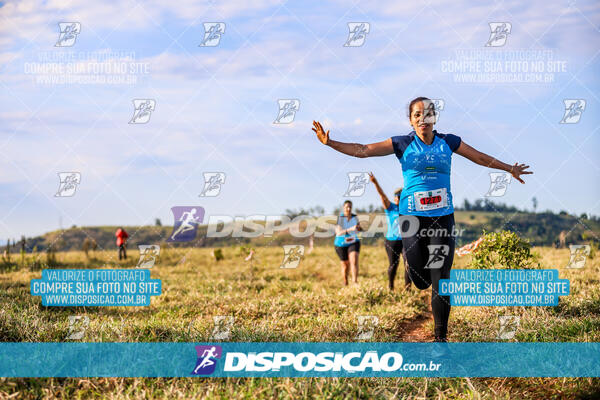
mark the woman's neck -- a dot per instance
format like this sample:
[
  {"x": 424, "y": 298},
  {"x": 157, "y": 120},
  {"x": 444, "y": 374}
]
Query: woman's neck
[{"x": 427, "y": 138}]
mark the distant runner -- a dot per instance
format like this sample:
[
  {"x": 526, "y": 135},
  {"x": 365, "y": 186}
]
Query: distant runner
[
  {"x": 122, "y": 242},
  {"x": 393, "y": 240},
  {"x": 347, "y": 242}
]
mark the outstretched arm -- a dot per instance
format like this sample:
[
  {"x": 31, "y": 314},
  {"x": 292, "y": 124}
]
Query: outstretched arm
[
  {"x": 383, "y": 148},
  {"x": 488, "y": 161},
  {"x": 384, "y": 199}
]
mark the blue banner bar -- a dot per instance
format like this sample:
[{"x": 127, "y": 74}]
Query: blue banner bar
[{"x": 298, "y": 359}]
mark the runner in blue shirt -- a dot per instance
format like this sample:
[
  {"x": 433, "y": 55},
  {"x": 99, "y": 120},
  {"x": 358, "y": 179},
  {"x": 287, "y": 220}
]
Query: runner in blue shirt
[
  {"x": 425, "y": 156},
  {"x": 347, "y": 242},
  {"x": 393, "y": 240}
]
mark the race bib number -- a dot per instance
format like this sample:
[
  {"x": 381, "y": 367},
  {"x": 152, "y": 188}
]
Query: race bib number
[
  {"x": 349, "y": 239},
  {"x": 431, "y": 199}
]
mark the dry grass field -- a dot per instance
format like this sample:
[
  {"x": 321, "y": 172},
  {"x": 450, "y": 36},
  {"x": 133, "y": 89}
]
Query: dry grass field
[{"x": 308, "y": 303}]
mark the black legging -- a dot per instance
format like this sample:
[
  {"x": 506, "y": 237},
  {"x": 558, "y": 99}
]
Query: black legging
[
  {"x": 432, "y": 231},
  {"x": 122, "y": 251},
  {"x": 393, "y": 248}
]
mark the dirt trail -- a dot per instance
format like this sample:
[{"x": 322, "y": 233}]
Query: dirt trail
[{"x": 417, "y": 329}]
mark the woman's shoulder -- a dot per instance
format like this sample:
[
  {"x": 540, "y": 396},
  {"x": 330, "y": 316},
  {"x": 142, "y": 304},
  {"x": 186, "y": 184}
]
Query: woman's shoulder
[
  {"x": 401, "y": 142},
  {"x": 453, "y": 141}
]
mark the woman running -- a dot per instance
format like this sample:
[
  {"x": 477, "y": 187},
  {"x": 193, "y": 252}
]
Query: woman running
[
  {"x": 347, "y": 242},
  {"x": 393, "y": 240},
  {"x": 425, "y": 156}
]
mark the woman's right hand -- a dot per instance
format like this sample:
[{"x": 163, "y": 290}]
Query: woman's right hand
[
  {"x": 321, "y": 134},
  {"x": 372, "y": 178}
]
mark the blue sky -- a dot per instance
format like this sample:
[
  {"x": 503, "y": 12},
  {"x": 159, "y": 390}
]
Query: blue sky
[{"x": 215, "y": 106}]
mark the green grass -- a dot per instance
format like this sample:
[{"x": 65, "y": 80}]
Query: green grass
[{"x": 303, "y": 304}]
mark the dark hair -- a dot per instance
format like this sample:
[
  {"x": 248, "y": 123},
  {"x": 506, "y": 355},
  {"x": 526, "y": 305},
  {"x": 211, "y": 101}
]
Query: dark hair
[
  {"x": 415, "y": 101},
  {"x": 348, "y": 201}
]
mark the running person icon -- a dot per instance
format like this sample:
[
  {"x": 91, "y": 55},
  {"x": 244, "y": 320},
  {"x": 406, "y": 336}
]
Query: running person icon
[
  {"x": 393, "y": 240},
  {"x": 207, "y": 359},
  {"x": 425, "y": 156},
  {"x": 189, "y": 220}
]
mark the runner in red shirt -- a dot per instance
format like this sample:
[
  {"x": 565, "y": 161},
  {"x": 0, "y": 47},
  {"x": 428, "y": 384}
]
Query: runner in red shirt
[{"x": 122, "y": 242}]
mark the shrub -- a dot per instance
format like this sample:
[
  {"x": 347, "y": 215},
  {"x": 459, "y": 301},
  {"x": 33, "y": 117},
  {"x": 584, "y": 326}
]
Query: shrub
[
  {"x": 218, "y": 254},
  {"x": 504, "y": 249}
]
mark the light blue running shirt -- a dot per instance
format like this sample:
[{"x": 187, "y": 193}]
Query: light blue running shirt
[
  {"x": 393, "y": 229},
  {"x": 426, "y": 172},
  {"x": 349, "y": 238}
]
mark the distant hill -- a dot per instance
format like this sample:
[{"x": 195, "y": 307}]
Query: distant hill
[{"x": 539, "y": 228}]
